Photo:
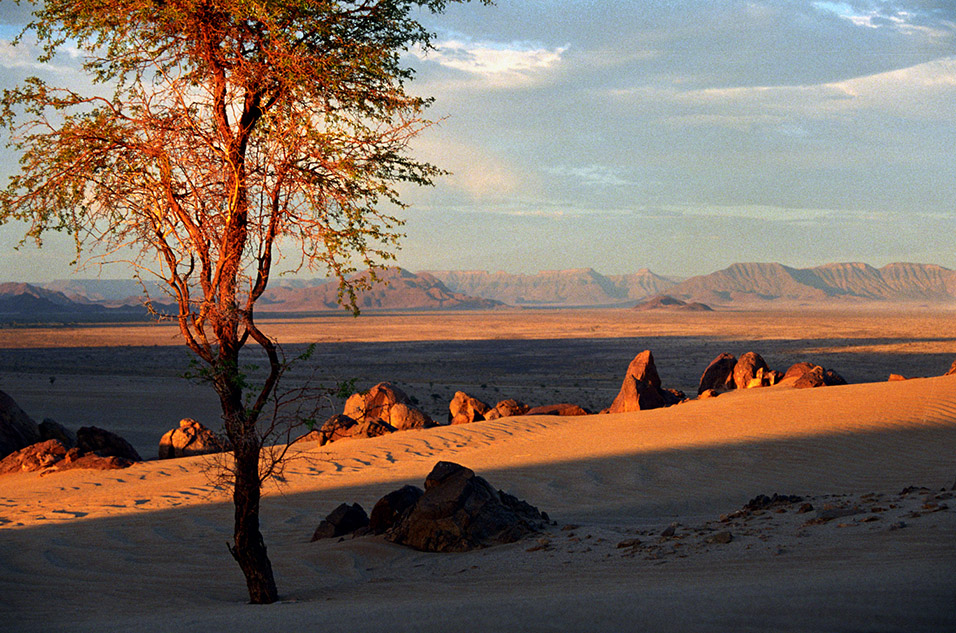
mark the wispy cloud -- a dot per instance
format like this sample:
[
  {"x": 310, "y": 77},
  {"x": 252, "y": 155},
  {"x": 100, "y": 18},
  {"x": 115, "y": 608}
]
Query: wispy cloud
[
  {"x": 496, "y": 63},
  {"x": 590, "y": 175}
]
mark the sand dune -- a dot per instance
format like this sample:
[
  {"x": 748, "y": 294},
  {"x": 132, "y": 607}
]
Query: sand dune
[{"x": 144, "y": 548}]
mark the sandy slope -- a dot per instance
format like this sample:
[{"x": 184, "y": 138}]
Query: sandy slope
[{"x": 143, "y": 549}]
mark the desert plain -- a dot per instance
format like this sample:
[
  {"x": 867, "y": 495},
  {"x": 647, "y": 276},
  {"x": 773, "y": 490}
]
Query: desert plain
[{"x": 648, "y": 529}]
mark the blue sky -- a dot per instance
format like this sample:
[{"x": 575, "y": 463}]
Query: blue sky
[{"x": 679, "y": 136}]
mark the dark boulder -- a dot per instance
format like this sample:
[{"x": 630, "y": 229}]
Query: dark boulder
[
  {"x": 91, "y": 439},
  {"x": 17, "y": 429},
  {"x": 53, "y": 430},
  {"x": 389, "y": 509},
  {"x": 460, "y": 511},
  {"x": 345, "y": 519},
  {"x": 719, "y": 374}
]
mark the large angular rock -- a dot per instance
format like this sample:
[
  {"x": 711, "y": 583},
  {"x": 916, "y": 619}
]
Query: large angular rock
[
  {"x": 749, "y": 371},
  {"x": 17, "y": 429},
  {"x": 389, "y": 510},
  {"x": 507, "y": 409},
  {"x": 91, "y": 439},
  {"x": 345, "y": 519},
  {"x": 952, "y": 369},
  {"x": 719, "y": 374},
  {"x": 641, "y": 389},
  {"x": 464, "y": 409},
  {"x": 191, "y": 438},
  {"x": 461, "y": 511}
]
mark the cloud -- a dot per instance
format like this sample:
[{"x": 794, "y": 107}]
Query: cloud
[
  {"x": 495, "y": 63},
  {"x": 590, "y": 175}
]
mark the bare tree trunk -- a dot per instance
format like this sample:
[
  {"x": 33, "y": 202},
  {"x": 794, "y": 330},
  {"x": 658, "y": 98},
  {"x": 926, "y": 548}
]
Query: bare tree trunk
[{"x": 248, "y": 548}]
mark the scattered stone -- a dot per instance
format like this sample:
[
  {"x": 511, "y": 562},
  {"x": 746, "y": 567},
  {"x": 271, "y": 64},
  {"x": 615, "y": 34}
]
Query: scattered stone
[
  {"x": 812, "y": 377},
  {"x": 191, "y": 438},
  {"x": 708, "y": 393},
  {"x": 830, "y": 513},
  {"x": 895, "y": 378},
  {"x": 53, "y": 430},
  {"x": 506, "y": 409},
  {"x": 460, "y": 511},
  {"x": 345, "y": 519},
  {"x": 565, "y": 408},
  {"x": 720, "y": 538},
  {"x": 17, "y": 429},
  {"x": 464, "y": 409},
  {"x": 389, "y": 509},
  {"x": 831, "y": 378},
  {"x": 804, "y": 508},
  {"x": 91, "y": 439},
  {"x": 719, "y": 375},
  {"x": 670, "y": 530},
  {"x": 749, "y": 368},
  {"x": 631, "y": 542},
  {"x": 763, "y": 502}
]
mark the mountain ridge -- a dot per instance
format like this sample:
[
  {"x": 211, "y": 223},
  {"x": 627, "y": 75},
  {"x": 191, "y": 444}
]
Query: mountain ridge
[{"x": 740, "y": 285}]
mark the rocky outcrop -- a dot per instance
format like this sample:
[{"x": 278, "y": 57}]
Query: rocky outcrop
[
  {"x": 464, "y": 409},
  {"x": 641, "y": 389},
  {"x": 191, "y": 438},
  {"x": 563, "y": 409},
  {"x": 342, "y": 427},
  {"x": 388, "y": 404},
  {"x": 51, "y": 455},
  {"x": 719, "y": 375},
  {"x": 389, "y": 510},
  {"x": 345, "y": 519},
  {"x": 807, "y": 375},
  {"x": 17, "y": 429},
  {"x": 91, "y": 439},
  {"x": 460, "y": 511},
  {"x": 507, "y": 409}
]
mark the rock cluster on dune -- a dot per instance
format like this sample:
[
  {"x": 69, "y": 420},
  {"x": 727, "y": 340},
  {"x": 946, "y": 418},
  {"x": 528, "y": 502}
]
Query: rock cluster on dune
[
  {"x": 189, "y": 438},
  {"x": 727, "y": 372},
  {"x": 458, "y": 511}
]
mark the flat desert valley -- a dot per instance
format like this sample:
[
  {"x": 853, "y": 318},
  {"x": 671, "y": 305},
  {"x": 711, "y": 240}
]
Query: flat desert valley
[{"x": 649, "y": 531}]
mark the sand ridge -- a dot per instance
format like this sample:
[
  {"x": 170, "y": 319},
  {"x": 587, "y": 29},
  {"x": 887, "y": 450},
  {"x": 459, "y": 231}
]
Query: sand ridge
[{"x": 143, "y": 548}]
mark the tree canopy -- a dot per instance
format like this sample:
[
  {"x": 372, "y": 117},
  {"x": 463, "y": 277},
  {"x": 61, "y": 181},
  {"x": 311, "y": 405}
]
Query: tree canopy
[{"x": 221, "y": 135}]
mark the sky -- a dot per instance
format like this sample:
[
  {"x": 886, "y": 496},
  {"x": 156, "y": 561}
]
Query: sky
[{"x": 680, "y": 136}]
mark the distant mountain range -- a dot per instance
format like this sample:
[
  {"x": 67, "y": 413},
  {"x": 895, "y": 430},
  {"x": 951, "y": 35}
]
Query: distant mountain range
[{"x": 746, "y": 285}]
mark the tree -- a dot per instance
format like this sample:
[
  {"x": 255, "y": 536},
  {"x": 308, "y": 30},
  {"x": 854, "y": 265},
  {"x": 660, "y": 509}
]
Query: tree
[{"x": 220, "y": 135}]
